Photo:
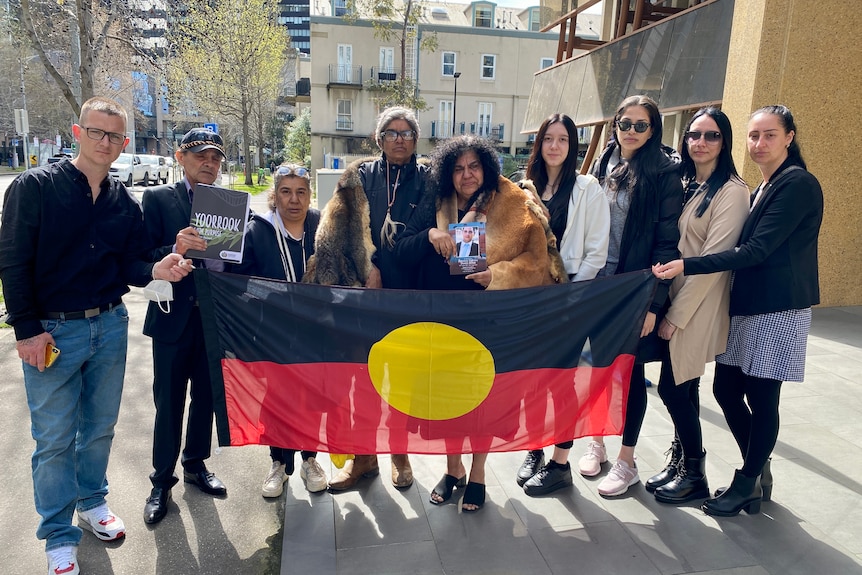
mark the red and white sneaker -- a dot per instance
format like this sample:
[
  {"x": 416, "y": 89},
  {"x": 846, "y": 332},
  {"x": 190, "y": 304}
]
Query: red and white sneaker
[
  {"x": 104, "y": 524},
  {"x": 63, "y": 561}
]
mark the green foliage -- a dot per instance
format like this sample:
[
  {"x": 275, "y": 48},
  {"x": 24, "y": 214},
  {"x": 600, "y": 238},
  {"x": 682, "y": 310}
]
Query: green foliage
[
  {"x": 401, "y": 92},
  {"x": 297, "y": 140}
]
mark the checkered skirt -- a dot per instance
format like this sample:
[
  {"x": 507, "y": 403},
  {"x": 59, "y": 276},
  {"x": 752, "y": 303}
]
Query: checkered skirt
[{"x": 769, "y": 345}]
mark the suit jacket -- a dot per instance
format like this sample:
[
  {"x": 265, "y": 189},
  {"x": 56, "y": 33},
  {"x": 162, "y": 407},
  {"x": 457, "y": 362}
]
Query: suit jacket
[
  {"x": 776, "y": 258},
  {"x": 167, "y": 210},
  {"x": 474, "y": 249}
]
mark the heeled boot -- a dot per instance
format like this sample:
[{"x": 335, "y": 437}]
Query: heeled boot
[
  {"x": 743, "y": 493},
  {"x": 765, "y": 482},
  {"x": 665, "y": 476},
  {"x": 689, "y": 483}
]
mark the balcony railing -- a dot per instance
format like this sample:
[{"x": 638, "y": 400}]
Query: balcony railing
[
  {"x": 383, "y": 75},
  {"x": 344, "y": 125},
  {"x": 345, "y": 75},
  {"x": 442, "y": 130}
]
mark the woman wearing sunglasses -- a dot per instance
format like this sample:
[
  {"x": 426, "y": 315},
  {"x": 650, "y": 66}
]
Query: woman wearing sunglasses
[
  {"x": 643, "y": 189},
  {"x": 580, "y": 220},
  {"x": 696, "y": 325},
  {"x": 774, "y": 285},
  {"x": 277, "y": 246}
]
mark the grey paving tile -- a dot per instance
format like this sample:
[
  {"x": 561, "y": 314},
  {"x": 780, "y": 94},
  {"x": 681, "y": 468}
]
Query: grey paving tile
[
  {"x": 308, "y": 543},
  {"x": 419, "y": 558}
]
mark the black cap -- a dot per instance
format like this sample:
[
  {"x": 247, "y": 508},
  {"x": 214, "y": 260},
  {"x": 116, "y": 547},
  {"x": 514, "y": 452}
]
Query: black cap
[{"x": 200, "y": 139}]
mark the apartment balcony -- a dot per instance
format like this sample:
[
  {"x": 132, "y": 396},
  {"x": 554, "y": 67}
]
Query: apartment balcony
[
  {"x": 345, "y": 77},
  {"x": 443, "y": 130},
  {"x": 383, "y": 75}
]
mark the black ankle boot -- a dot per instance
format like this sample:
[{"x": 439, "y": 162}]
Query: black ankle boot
[
  {"x": 743, "y": 493},
  {"x": 665, "y": 476},
  {"x": 689, "y": 483},
  {"x": 765, "y": 482}
]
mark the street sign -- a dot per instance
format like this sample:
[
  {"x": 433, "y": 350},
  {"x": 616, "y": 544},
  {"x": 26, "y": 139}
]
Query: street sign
[
  {"x": 212, "y": 127},
  {"x": 22, "y": 122}
]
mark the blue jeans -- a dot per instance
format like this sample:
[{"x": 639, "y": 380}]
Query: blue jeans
[{"x": 73, "y": 409}]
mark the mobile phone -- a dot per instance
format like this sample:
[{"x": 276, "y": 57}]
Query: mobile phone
[{"x": 51, "y": 354}]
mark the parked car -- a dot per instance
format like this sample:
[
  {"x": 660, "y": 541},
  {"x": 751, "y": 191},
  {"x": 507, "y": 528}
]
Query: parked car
[
  {"x": 159, "y": 169},
  {"x": 129, "y": 169}
]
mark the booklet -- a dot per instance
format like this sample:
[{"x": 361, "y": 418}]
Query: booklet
[
  {"x": 220, "y": 216},
  {"x": 470, "y": 253}
]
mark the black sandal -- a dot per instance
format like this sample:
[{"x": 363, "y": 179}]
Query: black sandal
[
  {"x": 473, "y": 495},
  {"x": 444, "y": 487}
]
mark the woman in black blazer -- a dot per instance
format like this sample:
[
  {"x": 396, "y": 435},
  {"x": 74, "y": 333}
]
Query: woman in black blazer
[{"x": 773, "y": 288}]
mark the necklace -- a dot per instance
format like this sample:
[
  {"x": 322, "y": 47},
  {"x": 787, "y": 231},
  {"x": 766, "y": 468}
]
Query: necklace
[{"x": 390, "y": 227}]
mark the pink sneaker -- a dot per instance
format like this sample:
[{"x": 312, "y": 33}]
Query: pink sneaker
[
  {"x": 619, "y": 479},
  {"x": 590, "y": 463}
]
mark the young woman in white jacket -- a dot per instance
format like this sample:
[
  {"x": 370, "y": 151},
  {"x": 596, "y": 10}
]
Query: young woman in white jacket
[{"x": 579, "y": 216}]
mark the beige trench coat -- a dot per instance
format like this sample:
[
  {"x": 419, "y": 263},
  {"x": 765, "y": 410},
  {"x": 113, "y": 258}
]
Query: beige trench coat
[{"x": 700, "y": 303}]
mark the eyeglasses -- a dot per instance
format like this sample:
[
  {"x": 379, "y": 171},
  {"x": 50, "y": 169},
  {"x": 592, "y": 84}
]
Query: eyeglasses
[
  {"x": 392, "y": 135},
  {"x": 626, "y": 125},
  {"x": 292, "y": 171},
  {"x": 97, "y": 134},
  {"x": 711, "y": 136}
]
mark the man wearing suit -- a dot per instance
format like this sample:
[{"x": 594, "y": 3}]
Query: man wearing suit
[
  {"x": 467, "y": 247},
  {"x": 179, "y": 356}
]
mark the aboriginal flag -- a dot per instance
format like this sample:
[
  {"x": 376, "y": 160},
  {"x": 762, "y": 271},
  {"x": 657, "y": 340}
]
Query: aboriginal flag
[{"x": 352, "y": 370}]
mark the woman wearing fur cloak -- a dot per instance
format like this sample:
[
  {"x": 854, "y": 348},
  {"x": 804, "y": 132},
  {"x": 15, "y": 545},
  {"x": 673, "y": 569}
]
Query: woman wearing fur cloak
[
  {"x": 374, "y": 201},
  {"x": 521, "y": 252}
]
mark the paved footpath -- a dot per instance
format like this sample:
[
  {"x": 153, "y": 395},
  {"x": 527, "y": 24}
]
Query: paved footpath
[{"x": 812, "y": 526}]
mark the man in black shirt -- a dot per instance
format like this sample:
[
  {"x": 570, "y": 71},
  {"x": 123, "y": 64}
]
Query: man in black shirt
[{"x": 70, "y": 245}]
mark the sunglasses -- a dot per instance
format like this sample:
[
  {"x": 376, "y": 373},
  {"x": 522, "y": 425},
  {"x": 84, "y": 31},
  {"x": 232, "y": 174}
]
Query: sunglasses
[
  {"x": 98, "y": 135},
  {"x": 392, "y": 135},
  {"x": 292, "y": 171},
  {"x": 626, "y": 125},
  {"x": 711, "y": 136}
]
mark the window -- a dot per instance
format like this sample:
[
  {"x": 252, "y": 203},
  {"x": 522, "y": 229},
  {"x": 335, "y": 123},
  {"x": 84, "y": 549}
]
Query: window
[
  {"x": 387, "y": 64},
  {"x": 445, "y": 120},
  {"x": 339, "y": 7},
  {"x": 345, "y": 63},
  {"x": 483, "y": 16},
  {"x": 535, "y": 21},
  {"x": 546, "y": 63},
  {"x": 345, "y": 115},
  {"x": 485, "y": 111},
  {"x": 448, "y": 64},
  {"x": 489, "y": 66}
]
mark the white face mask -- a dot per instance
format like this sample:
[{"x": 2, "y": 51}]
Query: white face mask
[{"x": 160, "y": 291}]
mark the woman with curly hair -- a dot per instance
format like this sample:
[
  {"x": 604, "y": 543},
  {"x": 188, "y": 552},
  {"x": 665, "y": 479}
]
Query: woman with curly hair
[{"x": 467, "y": 188}]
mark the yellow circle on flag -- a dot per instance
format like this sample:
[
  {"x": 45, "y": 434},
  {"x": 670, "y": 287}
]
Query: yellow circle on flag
[{"x": 431, "y": 370}]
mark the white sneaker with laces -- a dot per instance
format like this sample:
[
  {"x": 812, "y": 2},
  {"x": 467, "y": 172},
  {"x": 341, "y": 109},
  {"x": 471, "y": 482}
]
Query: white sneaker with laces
[
  {"x": 619, "y": 479},
  {"x": 312, "y": 473},
  {"x": 63, "y": 561},
  {"x": 273, "y": 485},
  {"x": 104, "y": 524},
  {"x": 590, "y": 463}
]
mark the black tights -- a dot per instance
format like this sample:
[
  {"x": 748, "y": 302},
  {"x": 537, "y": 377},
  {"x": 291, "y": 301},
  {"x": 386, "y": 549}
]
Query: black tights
[
  {"x": 683, "y": 405},
  {"x": 754, "y": 424},
  {"x": 636, "y": 404}
]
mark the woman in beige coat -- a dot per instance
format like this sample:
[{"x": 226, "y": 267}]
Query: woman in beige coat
[{"x": 696, "y": 326}]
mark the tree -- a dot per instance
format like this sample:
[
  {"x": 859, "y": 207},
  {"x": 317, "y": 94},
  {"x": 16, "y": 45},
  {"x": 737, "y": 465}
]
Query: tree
[
  {"x": 228, "y": 56},
  {"x": 394, "y": 19},
  {"x": 78, "y": 71},
  {"x": 297, "y": 142}
]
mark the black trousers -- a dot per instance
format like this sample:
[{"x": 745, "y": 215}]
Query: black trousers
[
  {"x": 175, "y": 365},
  {"x": 683, "y": 406},
  {"x": 750, "y": 406}
]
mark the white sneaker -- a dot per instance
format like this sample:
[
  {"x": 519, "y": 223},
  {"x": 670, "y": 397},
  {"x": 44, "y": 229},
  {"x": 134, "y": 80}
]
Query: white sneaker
[
  {"x": 63, "y": 561},
  {"x": 104, "y": 524},
  {"x": 590, "y": 463},
  {"x": 273, "y": 485},
  {"x": 312, "y": 473},
  {"x": 619, "y": 479}
]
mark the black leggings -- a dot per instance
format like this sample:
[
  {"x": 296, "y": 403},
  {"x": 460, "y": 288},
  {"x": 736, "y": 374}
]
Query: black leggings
[
  {"x": 636, "y": 404},
  {"x": 683, "y": 405},
  {"x": 754, "y": 424}
]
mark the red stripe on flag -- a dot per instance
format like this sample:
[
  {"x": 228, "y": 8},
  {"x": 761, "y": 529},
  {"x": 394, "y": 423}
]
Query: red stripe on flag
[{"x": 286, "y": 406}]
